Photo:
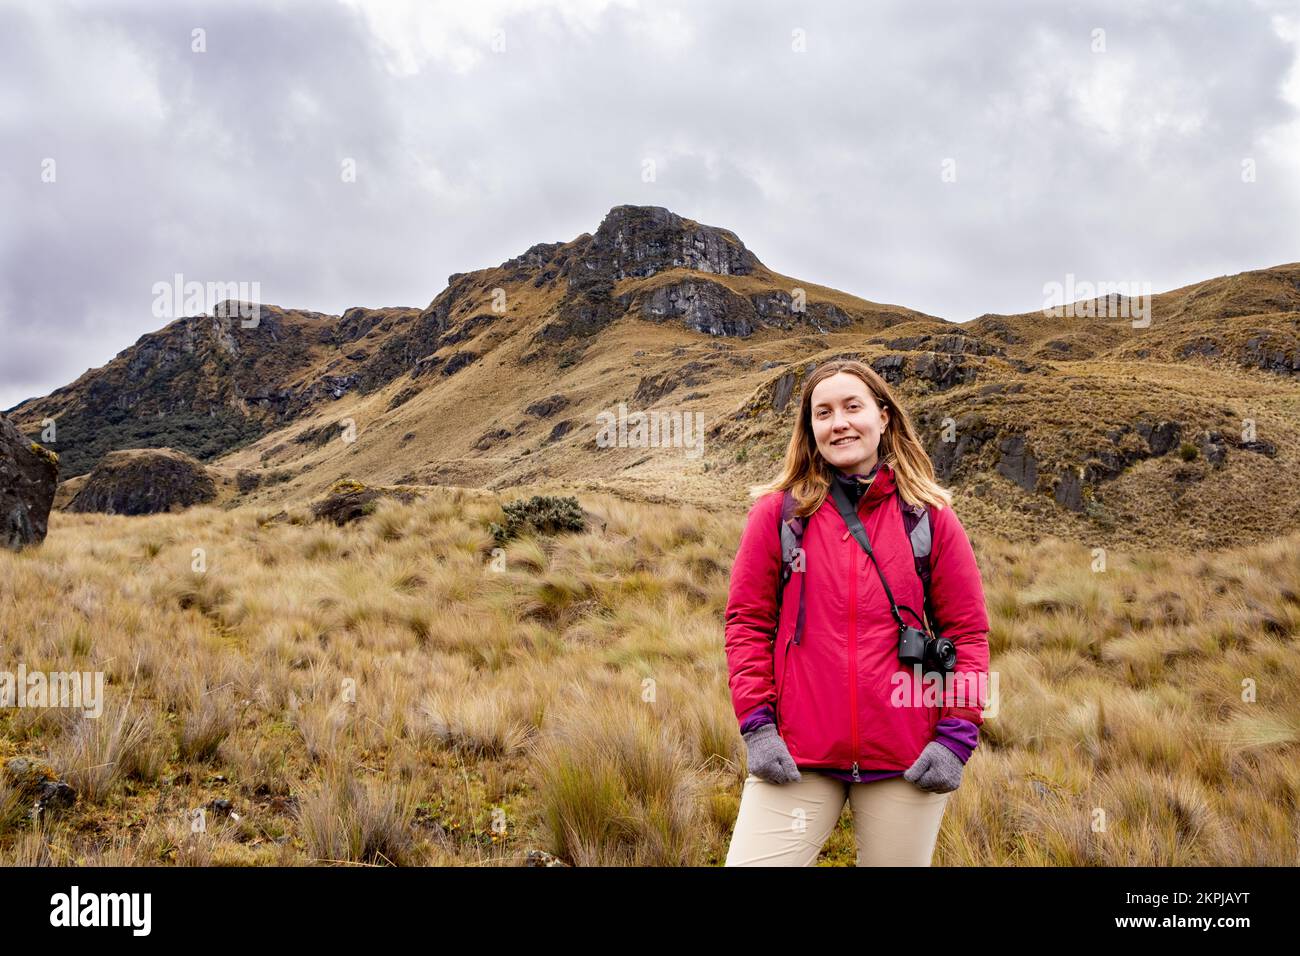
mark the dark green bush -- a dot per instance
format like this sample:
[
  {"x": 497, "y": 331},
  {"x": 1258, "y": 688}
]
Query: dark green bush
[{"x": 546, "y": 514}]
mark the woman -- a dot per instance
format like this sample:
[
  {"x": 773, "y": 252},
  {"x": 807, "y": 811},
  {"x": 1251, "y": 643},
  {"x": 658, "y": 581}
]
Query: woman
[{"x": 815, "y": 736}]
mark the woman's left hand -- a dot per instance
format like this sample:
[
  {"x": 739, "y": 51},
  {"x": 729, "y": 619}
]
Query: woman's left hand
[{"x": 937, "y": 769}]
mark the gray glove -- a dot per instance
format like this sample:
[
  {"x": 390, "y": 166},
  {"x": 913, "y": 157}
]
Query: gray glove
[
  {"x": 769, "y": 758},
  {"x": 937, "y": 769}
]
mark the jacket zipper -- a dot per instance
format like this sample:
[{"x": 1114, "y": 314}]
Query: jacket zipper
[
  {"x": 853, "y": 653},
  {"x": 785, "y": 663}
]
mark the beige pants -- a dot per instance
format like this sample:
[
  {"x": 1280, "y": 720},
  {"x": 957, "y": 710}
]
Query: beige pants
[{"x": 896, "y": 823}]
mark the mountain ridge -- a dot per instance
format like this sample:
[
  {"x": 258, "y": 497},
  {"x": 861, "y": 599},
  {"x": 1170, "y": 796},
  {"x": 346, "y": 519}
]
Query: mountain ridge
[{"x": 1057, "y": 425}]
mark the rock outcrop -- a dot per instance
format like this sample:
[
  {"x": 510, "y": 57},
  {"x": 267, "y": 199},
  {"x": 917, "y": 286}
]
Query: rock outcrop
[
  {"x": 141, "y": 481},
  {"x": 702, "y": 306},
  {"x": 28, "y": 476},
  {"x": 349, "y": 500},
  {"x": 1017, "y": 462},
  {"x": 965, "y": 441},
  {"x": 1264, "y": 352},
  {"x": 641, "y": 241}
]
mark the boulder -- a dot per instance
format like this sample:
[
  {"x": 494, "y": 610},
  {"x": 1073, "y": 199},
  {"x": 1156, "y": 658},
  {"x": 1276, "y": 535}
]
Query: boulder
[
  {"x": 1214, "y": 448},
  {"x": 348, "y": 500},
  {"x": 458, "y": 361},
  {"x": 890, "y": 368},
  {"x": 142, "y": 481},
  {"x": 652, "y": 388},
  {"x": 783, "y": 391},
  {"x": 29, "y": 474},
  {"x": 1161, "y": 437},
  {"x": 548, "y": 406},
  {"x": 943, "y": 371},
  {"x": 490, "y": 438},
  {"x": 1203, "y": 345},
  {"x": 560, "y": 430},
  {"x": 36, "y": 782},
  {"x": 957, "y": 343}
]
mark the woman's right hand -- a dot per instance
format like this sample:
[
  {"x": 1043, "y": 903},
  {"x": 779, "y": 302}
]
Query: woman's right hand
[{"x": 769, "y": 758}]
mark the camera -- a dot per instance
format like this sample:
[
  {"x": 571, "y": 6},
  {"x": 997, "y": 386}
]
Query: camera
[{"x": 937, "y": 655}]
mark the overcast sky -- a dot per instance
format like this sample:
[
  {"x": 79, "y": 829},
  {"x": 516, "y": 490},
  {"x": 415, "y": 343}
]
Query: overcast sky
[{"x": 950, "y": 157}]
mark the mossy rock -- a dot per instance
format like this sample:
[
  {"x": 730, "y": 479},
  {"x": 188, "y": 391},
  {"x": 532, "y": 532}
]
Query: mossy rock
[
  {"x": 144, "y": 481},
  {"x": 35, "y": 781},
  {"x": 349, "y": 500},
  {"x": 347, "y": 486},
  {"x": 29, "y": 476},
  {"x": 43, "y": 452}
]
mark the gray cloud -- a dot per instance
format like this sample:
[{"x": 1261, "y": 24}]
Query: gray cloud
[{"x": 225, "y": 165}]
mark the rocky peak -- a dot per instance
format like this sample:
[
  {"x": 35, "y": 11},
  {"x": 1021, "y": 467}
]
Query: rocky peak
[
  {"x": 642, "y": 240},
  {"x": 636, "y": 242},
  {"x": 633, "y": 241}
]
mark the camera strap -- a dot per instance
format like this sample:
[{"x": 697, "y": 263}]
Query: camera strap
[{"x": 854, "y": 523}]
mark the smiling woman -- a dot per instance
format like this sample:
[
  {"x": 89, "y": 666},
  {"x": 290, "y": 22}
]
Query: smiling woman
[{"x": 852, "y": 535}]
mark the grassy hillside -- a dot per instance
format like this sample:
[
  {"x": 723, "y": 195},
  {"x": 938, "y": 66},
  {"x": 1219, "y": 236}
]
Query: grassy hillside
[{"x": 393, "y": 692}]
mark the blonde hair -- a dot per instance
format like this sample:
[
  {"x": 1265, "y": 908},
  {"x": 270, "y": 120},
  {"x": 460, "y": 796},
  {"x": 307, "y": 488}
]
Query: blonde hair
[{"x": 809, "y": 475}]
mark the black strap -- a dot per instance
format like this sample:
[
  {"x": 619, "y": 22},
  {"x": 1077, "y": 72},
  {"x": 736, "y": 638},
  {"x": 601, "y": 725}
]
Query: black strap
[{"x": 850, "y": 516}]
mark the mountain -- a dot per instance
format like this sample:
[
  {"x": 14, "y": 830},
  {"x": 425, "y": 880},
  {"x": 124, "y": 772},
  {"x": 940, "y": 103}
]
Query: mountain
[
  {"x": 1081, "y": 426},
  {"x": 206, "y": 384}
]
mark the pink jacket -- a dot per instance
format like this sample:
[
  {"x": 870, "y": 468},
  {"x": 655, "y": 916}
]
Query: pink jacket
[{"x": 880, "y": 718}]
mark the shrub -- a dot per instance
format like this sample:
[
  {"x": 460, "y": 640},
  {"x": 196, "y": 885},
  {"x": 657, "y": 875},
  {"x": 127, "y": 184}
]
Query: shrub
[{"x": 546, "y": 514}]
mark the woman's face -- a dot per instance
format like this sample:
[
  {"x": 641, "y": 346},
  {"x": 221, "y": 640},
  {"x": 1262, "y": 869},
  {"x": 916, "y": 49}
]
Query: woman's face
[{"x": 847, "y": 422}]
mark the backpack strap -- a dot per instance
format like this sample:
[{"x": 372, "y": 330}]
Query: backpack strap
[
  {"x": 916, "y": 522},
  {"x": 791, "y": 530}
]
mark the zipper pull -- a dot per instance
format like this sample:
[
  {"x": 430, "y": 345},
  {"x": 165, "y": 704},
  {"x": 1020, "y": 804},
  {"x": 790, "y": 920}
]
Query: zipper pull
[
  {"x": 856, "y": 778},
  {"x": 845, "y": 537}
]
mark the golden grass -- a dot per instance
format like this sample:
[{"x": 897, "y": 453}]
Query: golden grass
[{"x": 393, "y": 693}]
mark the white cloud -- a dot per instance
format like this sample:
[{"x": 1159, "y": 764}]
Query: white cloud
[
  {"x": 225, "y": 165},
  {"x": 459, "y": 35}
]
